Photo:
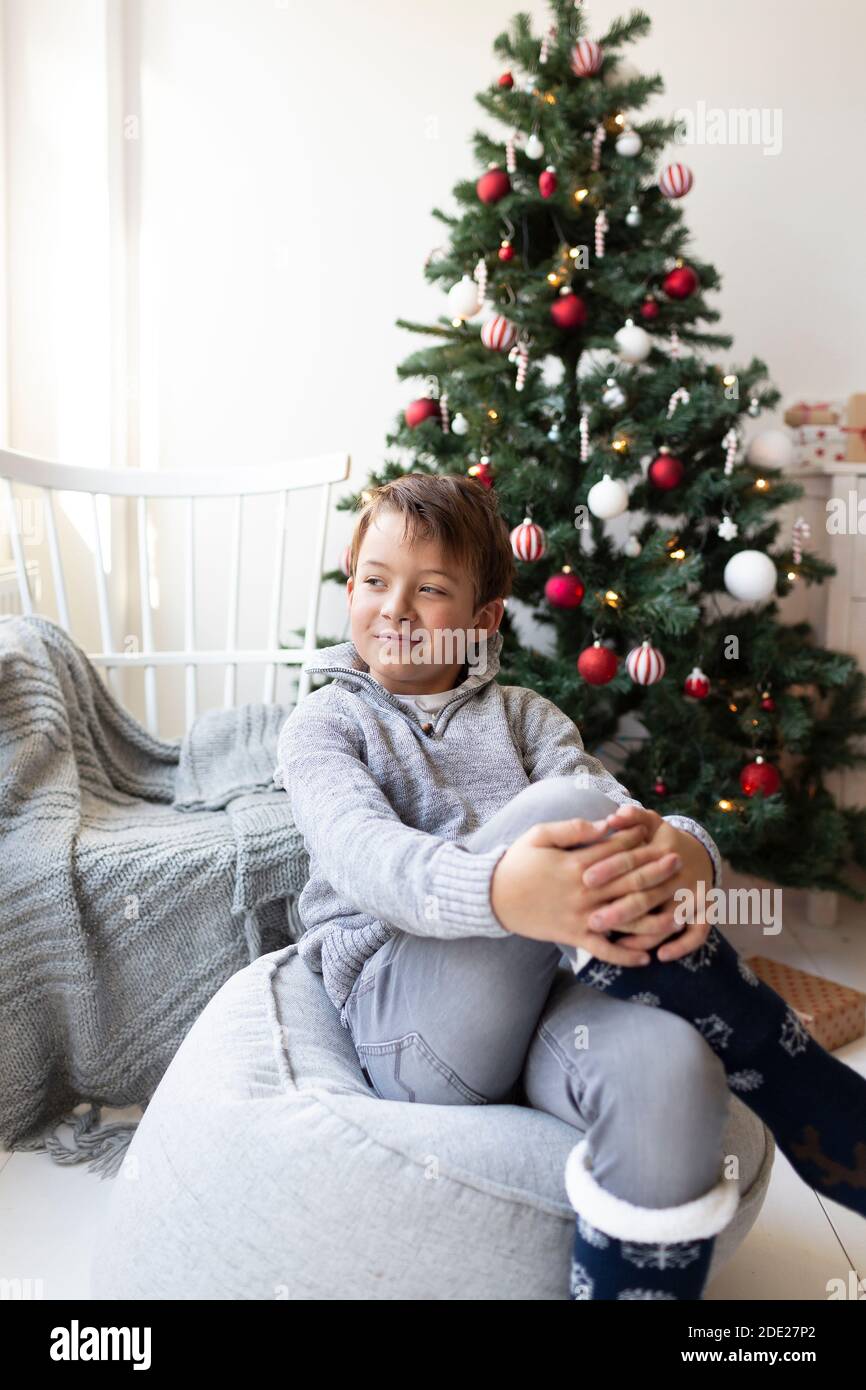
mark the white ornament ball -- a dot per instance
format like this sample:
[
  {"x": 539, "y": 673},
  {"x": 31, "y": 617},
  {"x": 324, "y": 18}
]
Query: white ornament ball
[
  {"x": 594, "y": 359},
  {"x": 634, "y": 343},
  {"x": 750, "y": 576},
  {"x": 463, "y": 299},
  {"x": 632, "y": 548},
  {"x": 622, "y": 73},
  {"x": 629, "y": 144},
  {"x": 771, "y": 449},
  {"x": 459, "y": 425},
  {"x": 534, "y": 148},
  {"x": 633, "y": 216},
  {"x": 553, "y": 433},
  {"x": 607, "y": 499}
]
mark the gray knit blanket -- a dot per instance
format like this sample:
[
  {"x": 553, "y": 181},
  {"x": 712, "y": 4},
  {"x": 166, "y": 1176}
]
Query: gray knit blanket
[{"x": 136, "y": 876}]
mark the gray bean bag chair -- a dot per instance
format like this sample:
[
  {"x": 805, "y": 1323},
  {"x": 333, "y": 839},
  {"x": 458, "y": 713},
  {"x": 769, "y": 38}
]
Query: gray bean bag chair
[{"x": 265, "y": 1168}]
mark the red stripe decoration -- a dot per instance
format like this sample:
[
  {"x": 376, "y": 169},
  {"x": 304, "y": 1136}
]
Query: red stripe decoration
[
  {"x": 527, "y": 541},
  {"x": 645, "y": 664},
  {"x": 499, "y": 333},
  {"x": 586, "y": 58},
  {"x": 676, "y": 180}
]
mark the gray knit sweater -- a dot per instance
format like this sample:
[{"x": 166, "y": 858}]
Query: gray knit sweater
[{"x": 383, "y": 796}]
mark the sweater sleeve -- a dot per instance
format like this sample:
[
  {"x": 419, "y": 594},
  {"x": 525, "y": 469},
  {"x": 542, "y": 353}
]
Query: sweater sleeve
[
  {"x": 552, "y": 747},
  {"x": 418, "y": 882}
]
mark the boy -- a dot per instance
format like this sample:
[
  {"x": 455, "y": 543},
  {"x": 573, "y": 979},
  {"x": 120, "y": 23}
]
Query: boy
[{"x": 455, "y": 827}]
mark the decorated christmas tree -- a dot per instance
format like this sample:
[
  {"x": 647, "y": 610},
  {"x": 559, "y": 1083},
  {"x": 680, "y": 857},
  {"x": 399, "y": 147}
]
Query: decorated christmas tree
[{"x": 572, "y": 370}]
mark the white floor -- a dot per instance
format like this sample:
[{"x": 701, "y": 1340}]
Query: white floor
[{"x": 49, "y": 1213}]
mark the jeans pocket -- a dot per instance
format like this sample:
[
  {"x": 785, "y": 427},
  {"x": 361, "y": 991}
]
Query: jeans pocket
[{"x": 407, "y": 1068}]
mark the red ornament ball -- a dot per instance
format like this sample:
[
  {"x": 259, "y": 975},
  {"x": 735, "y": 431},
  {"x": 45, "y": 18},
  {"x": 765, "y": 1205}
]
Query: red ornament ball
[
  {"x": 666, "y": 472},
  {"x": 527, "y": 540},
  {"x": 660, "y": 788},
  {"x": 564, "y": 590},
  {"x": 697, "y": 685},
  {"x": 649, "y": 310},
  {"x": 680, "y": 283},
  {"x": 482, "y": 473},
  {"x": 768, "y": 703},
  {"x": 597, "y": 664},
  {"x": 506, "y": 80},
  {"x": 568, "y": 311},
  {"x": 493, "y": 185},
  {"x": 506, "y": 251},
  {"x": 419, "y": 411},
  {"x": 760, "y": 776},
  {"x": 547, "y": 182}
]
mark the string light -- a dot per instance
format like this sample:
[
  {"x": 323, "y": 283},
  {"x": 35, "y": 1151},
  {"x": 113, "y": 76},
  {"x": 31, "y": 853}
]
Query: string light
[
  {"x": 761, "y": 484},
  {"x": 678, "y": 554},
  {"x": 732, "y": 708},
  {"x": 725, "y": 805},
  {"x": 612, "y": 598},
  {"x": 580, "y": 194},
  {"x": 620, "y": 443},
  {"x": 729, "y": 381},
  {"x": 792, "y": 576},
  {"x": 493, "y": 414}
]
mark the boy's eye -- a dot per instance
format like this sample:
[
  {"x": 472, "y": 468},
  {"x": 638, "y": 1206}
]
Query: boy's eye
[{"x": 374, "y": 580}]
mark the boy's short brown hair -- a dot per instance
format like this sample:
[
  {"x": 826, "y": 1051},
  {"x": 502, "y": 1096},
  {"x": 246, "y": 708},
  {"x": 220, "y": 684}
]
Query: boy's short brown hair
[{"x": 461, "y": 514}]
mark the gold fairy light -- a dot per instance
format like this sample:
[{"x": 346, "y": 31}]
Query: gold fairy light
[
  {"x": 678, "y": 554},
  {"x": 553, "y": 278},
  {"x": 612, "y": 598},
  {"x": 550, "y": 98},
  {"x": 580, "y": 194},
  {"x": 732, "y": 708},
  {"x": 791, "y": 575},
  {"x": 729, "y": 381},
  {"x": 725, "y": 805},
  {"x": 620, "y": 443},
  {"x": 493, "y": 414},
  {"x": 761, "y": 484}
]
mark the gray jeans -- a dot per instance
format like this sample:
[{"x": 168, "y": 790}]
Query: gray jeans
[{"x": 484, "y": 1020}]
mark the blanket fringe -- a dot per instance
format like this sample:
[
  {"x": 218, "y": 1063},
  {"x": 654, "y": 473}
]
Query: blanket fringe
[{"x": 102, "y": 1149}]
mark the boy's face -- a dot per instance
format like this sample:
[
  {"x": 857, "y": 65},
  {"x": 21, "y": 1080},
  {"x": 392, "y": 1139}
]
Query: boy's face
[{"x": 408, "y": 593}]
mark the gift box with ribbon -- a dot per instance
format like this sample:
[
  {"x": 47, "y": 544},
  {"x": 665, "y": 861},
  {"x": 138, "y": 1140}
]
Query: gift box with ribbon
[
  {"x": 817, "y": 413},
  {"x": 816, "y": 444},
  {"x": 855, "y": 429},
  {"x": 834, "y": 1014}
]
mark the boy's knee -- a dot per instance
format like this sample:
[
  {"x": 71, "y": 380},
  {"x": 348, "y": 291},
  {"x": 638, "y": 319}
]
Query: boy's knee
[{"x": 565, "y": 798}]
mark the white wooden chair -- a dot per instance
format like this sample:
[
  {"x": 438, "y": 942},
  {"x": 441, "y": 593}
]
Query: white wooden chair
[{"x": 279, "y": 479}]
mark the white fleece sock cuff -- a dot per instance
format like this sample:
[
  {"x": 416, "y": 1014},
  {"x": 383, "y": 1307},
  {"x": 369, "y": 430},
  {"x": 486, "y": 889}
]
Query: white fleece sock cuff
[{"x": 705, "y": 1216}]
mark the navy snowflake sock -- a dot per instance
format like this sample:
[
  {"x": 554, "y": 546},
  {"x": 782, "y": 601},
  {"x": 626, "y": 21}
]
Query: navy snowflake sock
[
  {"x": 814, "y": 1105},
  {"x": 630, "y": 1253}
]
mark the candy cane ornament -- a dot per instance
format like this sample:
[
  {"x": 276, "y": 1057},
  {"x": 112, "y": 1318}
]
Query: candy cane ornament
[
  {"x": 584, "y": 436},
  {"x": 598, "y": 140},
  {"x": 520, "y": 354},
  {"x": 510, "y": 156},
  {"x": 601, "y": 226},
  {"x": 800, "y": 532},
  {"x": 681, "y": 394},
  {"x": 545, "y": 45},
  {"x": 444, "y": 413},
  {"x": 731, "y": 443},
  {"x": 480, "y": 277}
]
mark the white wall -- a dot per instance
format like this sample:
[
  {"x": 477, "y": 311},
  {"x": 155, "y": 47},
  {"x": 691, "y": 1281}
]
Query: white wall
[{"x": 288, "y": 158}]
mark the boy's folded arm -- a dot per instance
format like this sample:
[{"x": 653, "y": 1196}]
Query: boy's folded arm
[
  {"x": 552, "y": 747},
  {"x": 408, "y": 878}
]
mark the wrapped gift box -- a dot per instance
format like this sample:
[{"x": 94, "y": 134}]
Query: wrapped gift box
[
  {"x": 834, "y": 1014},
  {"x": 817, "y": 413},
  {"x": 854, "y": 429},
  {"x": 815, "y": 444}
]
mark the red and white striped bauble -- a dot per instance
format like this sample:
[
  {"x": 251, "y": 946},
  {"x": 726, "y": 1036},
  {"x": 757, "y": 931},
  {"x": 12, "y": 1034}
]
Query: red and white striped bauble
[
  {"x": 499, "y": 333},
  {"x": 346, "y": 561},
  {"x": 586, "y": 58},
  {"x": 527, "y": 540},
  {"x": 645, "y": 664},
  {"x": 676, "y": 180}
]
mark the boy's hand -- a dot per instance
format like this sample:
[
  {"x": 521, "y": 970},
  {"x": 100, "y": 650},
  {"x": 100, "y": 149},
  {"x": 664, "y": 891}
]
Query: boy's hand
[
  {"x": 539, "y": 891},
  {"x": 629, "y": 911}
]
